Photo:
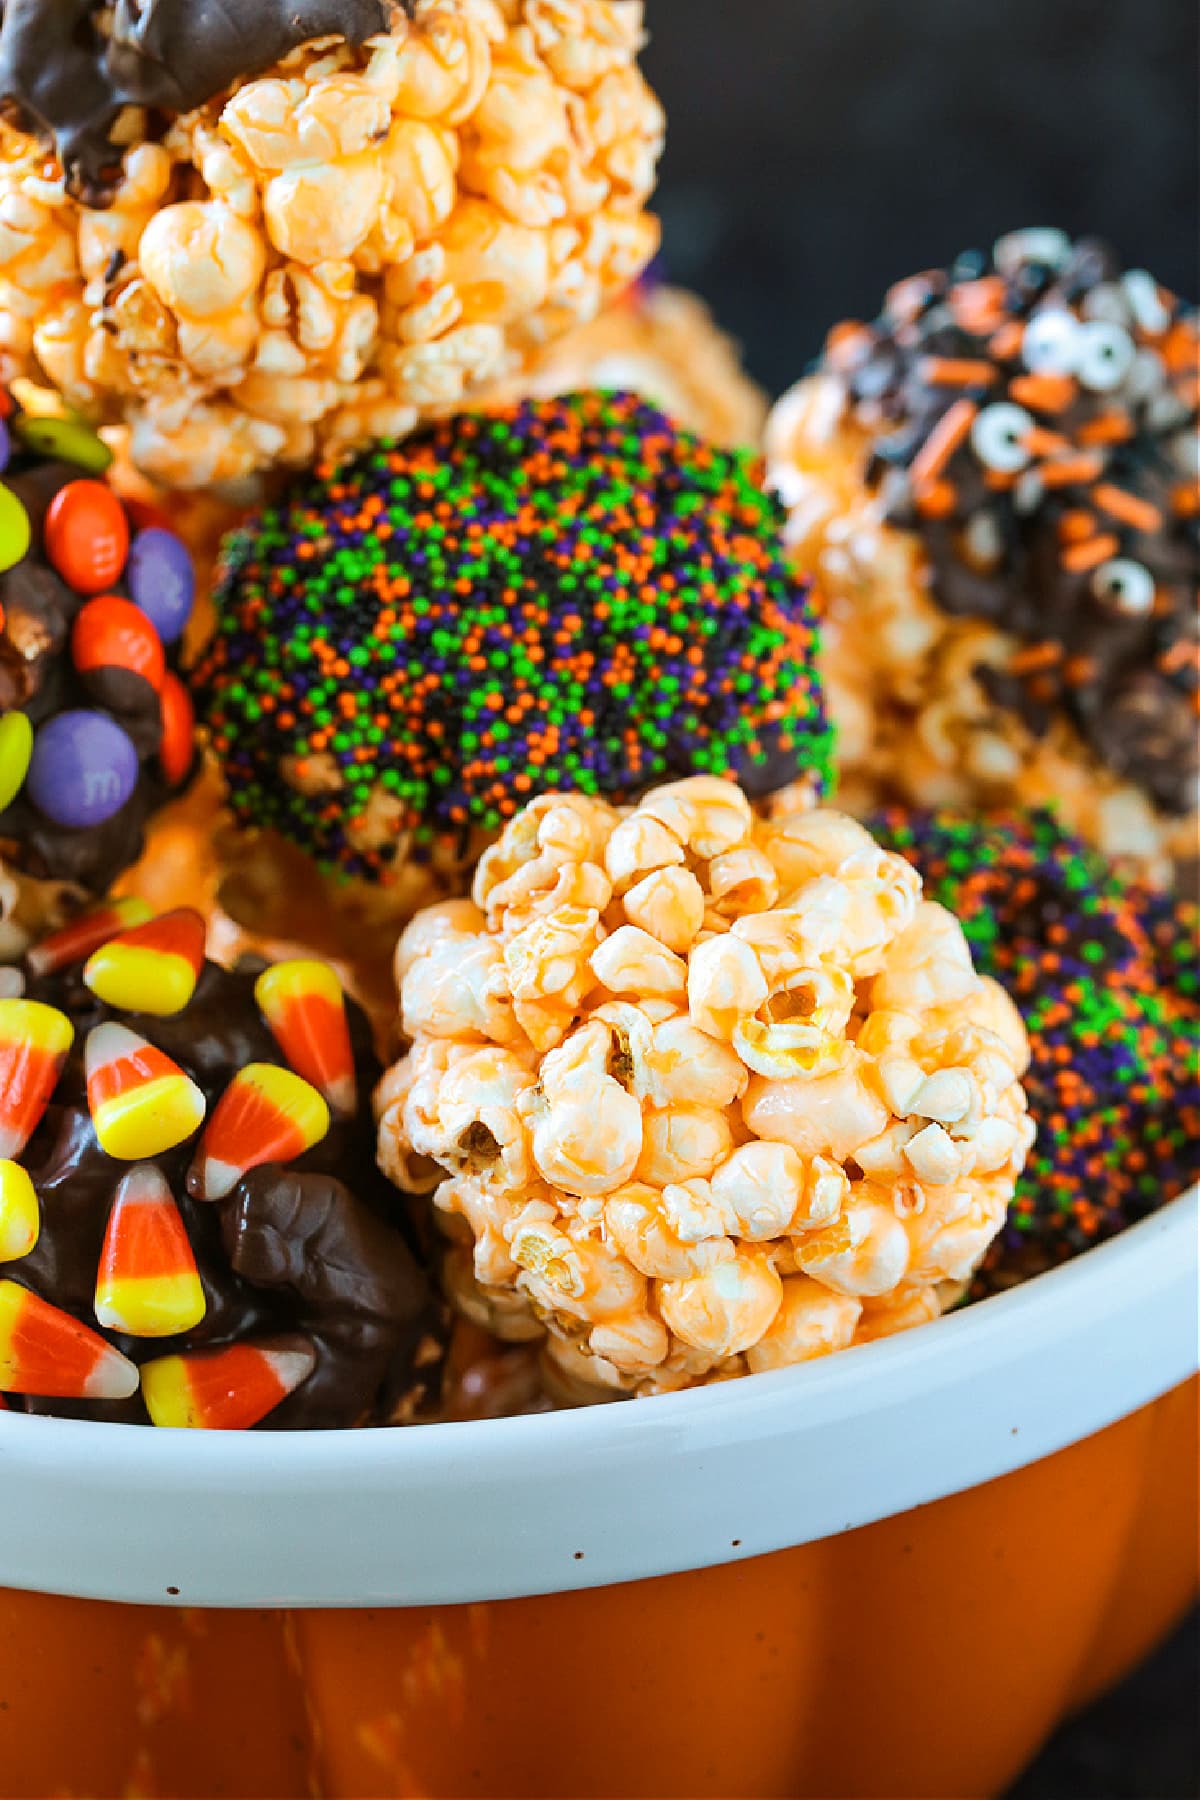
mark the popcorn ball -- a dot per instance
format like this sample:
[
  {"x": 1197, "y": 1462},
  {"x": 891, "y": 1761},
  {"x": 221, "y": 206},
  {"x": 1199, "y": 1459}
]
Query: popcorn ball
[
  {"x": 192, "y": 1228},
  {"x": 995, "y": 485},
  {"x": 96, "y": 726},
  {"x": 568, "y": 593},
  {"x": 1105, "y": 974},
  {"x": 662, "y": 343},
  {"x": 699, "y": 1094},
  {"x": 260, "y": 233}
]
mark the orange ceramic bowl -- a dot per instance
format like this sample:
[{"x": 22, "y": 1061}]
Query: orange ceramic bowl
[{"x": 891, "y": 1573}]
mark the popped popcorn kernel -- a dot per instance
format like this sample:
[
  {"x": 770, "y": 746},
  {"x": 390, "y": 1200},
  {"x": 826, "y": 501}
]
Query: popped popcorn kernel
[{"x": 692, "y": 1153}]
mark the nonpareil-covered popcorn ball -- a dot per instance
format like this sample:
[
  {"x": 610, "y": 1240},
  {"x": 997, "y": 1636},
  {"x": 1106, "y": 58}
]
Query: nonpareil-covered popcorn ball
[
  {"x": 569, "y": 593},
  {"x": 193, "y": 1231},
  {"x": 1104, "y": 972},
  {"x": 995, "y": 487},
  {"x": 259, "y": 233},
  {"x": 701, "y": 1094},
  {"x": 96, "y": 727}
]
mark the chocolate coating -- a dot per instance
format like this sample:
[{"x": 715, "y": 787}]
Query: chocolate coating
[
  {"x": 1044, "y": 543},
  {"x": 67, "y": 67},
  {"x": 322, "y": 1249}
]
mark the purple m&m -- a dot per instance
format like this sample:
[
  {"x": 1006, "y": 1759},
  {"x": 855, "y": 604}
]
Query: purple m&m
[
  {"x": 162, "y": 581},
  {"x": 83, "y": 769}
]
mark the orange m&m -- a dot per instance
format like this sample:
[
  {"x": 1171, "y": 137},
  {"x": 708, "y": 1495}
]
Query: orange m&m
[{"x": 87, "y": 536}]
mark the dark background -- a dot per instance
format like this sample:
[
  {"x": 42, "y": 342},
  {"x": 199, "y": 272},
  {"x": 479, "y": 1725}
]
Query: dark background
[{"x": 820, "y": 149}]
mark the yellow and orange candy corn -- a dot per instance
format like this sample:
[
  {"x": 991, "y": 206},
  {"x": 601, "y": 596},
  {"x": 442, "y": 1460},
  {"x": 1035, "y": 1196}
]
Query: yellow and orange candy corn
[
  {"x": 305, "y": 1009},
  {"x": 34, "y": 1040},
  {"x": 48, "y": 1353},
  {"x": 147, "y": 1284},
  {"x": 20, "y": 1214},
  {"x": 76, "y": 941},
  {"x": 152, "y": 968},
  {"x": 266, "y": 1114},
  {"x": 224, "y": 1390},
  {"x": 141, "y": 1102}
]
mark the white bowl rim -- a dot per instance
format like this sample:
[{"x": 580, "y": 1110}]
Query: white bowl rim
[{"x": 483, "y": 1510}]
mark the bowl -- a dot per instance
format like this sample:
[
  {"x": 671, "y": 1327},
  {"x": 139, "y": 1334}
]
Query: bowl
[{"x": 890, "y": 1571}]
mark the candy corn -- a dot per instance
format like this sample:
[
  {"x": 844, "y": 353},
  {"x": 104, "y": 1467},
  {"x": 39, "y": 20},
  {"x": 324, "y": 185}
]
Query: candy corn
[
  {"x": 147, "y": 1283},
  {"x": 140, "y": 1101},
  {"x": 34, "y": 1040},
  {"x": 303, "y": 1004},
  {"x": 151, "y": 968},
  {"x": 76, "y": 941},
  {"x": 224, "y": 1390},
  {"x": 20, "y": 1215},
  {"x": 266, "y": 1114},
  {"x": 47, "y": 1352}
]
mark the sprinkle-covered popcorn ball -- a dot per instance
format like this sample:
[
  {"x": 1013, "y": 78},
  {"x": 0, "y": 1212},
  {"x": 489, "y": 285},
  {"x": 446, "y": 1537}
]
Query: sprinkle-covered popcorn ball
[
  {"x": 995, "y": 487},
  {"x": 1105, "y": 975},
  {"x": 702, "y": 1094},
  {"x": 569, "y": 593},
  {"x": 96, "y": 727},
  {"x": 662, "y": 343},
  {"x": 192, "y": 1228},
  {"x": 331, "y": 237}
]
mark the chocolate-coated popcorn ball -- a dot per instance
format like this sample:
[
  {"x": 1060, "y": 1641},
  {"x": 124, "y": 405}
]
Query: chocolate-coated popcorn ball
[
  {"x": 701, "y": 1094},
  {"x": 193, "y": 1231},
  {"x": 568, "y": 593},
  {"x": 995, "y": 486},
  {"x": 257, "y": 233},
  {"x": 96, "y": 726}
]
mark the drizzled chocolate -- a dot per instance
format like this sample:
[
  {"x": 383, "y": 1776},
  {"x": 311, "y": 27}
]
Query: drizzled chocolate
[
  {"x": 67, "y": 67},
  {"x": 1033, "y": 416},
  {"x": 317, "y": 1253}
]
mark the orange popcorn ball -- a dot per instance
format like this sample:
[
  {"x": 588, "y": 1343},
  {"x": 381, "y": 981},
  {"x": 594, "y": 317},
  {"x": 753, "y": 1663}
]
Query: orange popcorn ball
[
  {"x": 351, "y": 236},
  {"x": 704, "y": 1093}
]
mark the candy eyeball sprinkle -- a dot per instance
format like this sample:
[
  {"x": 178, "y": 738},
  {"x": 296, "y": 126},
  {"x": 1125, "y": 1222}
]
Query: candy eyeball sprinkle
[
  {"x": 1050, "y": 345},
  {"x": 998, "y": 437},
  {"x": 1041, "y": 244},
  {"x": 1105, "y": 355},
  {"x": 1125, "y": 586}
]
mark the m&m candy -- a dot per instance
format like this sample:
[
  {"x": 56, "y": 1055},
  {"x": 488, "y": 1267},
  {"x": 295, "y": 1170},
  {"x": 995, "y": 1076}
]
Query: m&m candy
[
  {"x": 177, "y": 747},
  {"x": 111, "y": 633},
  {"x": 15, "y": 530},
  {"x": 16, "y": 748},
  {"x": 83, "y": 769},
  {"x": 162, "y": 581},
  {"x": 63, "y": 440},
  {"x": 87, "y": 536}
]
